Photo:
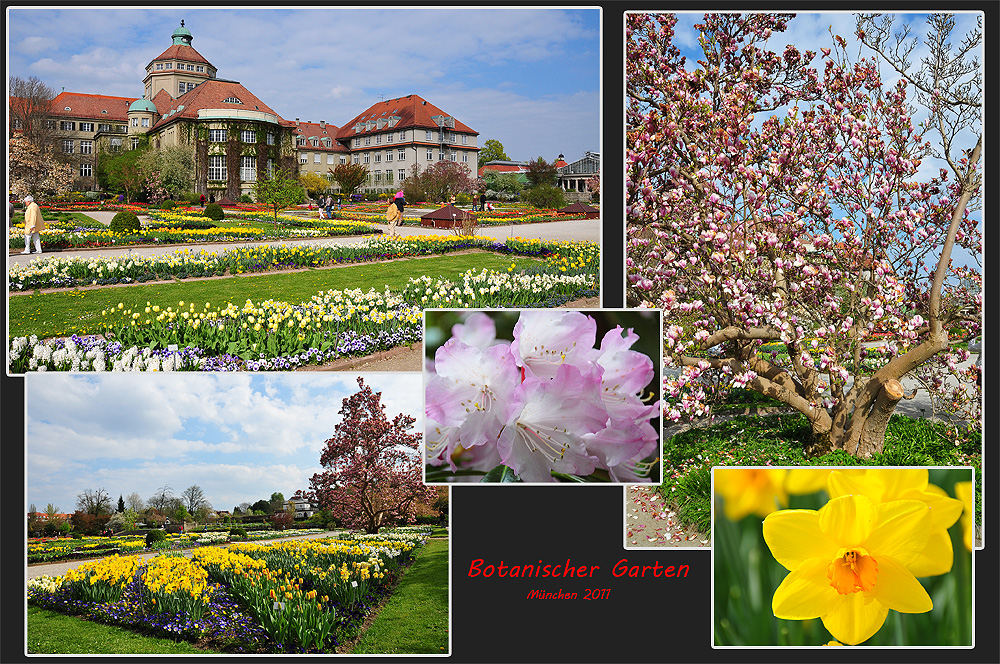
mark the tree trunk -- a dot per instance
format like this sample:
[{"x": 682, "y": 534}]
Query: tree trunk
[{"x": 872, "y": 438}]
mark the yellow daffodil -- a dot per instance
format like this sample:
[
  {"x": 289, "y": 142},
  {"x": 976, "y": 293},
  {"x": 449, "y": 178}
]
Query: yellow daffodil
[
  {"x": 748, "y": 491},
  {"x": 963, "y": 491},
  {"x": 848, "y": 563},
  {"x": 887, "y": 484}
]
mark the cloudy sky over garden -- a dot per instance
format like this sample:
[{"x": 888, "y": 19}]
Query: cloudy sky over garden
[
  {"x": 239, "y": 437},
  {"x": 529, "y": 78}
]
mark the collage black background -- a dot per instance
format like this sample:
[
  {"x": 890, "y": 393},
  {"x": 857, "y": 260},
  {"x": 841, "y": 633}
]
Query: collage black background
[{"x": 643, "y": 620}]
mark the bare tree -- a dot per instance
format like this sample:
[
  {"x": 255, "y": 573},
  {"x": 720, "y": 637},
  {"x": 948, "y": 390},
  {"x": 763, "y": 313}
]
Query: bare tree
[
  {"x": 161, "y": 500},
  {"x": 94, "y": 502},
  {"x": 194, "y": 498},
  {"x": 29, "y": 102},
  {"x": 135, "y": 502}
]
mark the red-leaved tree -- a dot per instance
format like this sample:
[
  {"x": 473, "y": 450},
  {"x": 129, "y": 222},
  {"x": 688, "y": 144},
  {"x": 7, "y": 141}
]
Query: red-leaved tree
[{"x": 373, "y": 472}]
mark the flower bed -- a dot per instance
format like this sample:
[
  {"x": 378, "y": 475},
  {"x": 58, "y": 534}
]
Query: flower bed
[
  {"x": 47, "y": 550},
  {"x": 286, "y": 597}
]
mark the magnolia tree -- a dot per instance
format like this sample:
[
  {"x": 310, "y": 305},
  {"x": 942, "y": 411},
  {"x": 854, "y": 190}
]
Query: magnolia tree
[
  {"x": 777, "y": 214},
  {"x": 36, "y": 170},
  {"x": 373, "y": 471}
]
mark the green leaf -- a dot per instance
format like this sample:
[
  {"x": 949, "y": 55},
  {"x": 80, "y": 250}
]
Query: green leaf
[{"x": 502, "y": 474}]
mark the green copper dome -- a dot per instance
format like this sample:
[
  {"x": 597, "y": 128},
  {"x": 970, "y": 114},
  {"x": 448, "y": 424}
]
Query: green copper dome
[
  {"x": 142, "y": 106},
  {"x": 182, "y": 35}
]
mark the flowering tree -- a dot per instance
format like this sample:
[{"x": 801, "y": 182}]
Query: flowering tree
[
  {"x": 444, "y": 178},
  {"x": 278, "y": 190},
  {"x": 35, "y": 169},
  {"x": 373, "y": 474},
  {"x": 779, "y": 245}
]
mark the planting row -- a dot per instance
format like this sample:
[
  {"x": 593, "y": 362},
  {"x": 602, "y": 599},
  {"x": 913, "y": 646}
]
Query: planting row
[{"x": 285, "y": 597}]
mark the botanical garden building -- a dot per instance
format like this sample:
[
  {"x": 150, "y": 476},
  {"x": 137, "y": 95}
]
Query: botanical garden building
[{"x": 235, "y": 135}]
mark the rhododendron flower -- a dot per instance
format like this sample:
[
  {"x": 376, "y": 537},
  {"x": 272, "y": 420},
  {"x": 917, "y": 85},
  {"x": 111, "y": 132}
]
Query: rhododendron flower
[
  {"x": 748, "y": 491},
  {"x": 546, "y": 402},
  {"x": 849, "y": 563}
]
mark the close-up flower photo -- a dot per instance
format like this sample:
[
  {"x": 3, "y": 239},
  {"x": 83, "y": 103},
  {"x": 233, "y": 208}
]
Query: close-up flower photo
[
  {"x": 842, "y": 556},
  {"x": 542, "y": 396}
]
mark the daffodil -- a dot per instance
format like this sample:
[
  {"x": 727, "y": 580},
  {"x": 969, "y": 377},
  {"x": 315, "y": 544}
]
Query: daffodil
[
  {"x": 888, "y": 484},
  {"x": 748, "y": 491},
  {"x": 963, "y": 491},
  {"x": 848, "y": 563}
]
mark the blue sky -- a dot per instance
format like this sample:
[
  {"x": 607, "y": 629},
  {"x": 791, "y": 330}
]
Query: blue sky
[
  {"x": 240, "y": 437},
  {"x": 527, "y": 77},
  {"x": 812, "y": 30}
]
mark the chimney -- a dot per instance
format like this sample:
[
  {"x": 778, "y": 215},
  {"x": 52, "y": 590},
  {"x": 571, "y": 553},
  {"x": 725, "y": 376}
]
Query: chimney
[
  {"x": 296, "y": 122},
  {"x": 322, "y": 124}
]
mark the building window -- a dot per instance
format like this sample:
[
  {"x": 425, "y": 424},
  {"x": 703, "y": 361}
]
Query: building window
[
  {"x": 67, "y": 147},
  {"x": 304, "y": 158},
  {"x": 182, "y": 87},
  {"x": 329, "y": 160},
  {"x": 343, "y": 160},
  {"x": 135, "y": 142},
  {"x": 465, "y": 157},
  {"x": 388, "y": 138},
  {"x": 248, "y": 168},
  {"x": 159, "y": 66},
  {"x": 465, "y": 139},
  {"x": 454, "y": 156},
  {"x": 86, "y": 126},
  {"x": 217, "y": 135},
  {"x": 270, "y": 138},
  {"x": 217, "y": 167},
  {"x": 270, "y": 167},
  {"x": 357, "y": 159},
  {"x": 378, "y": 140},
  {"x": 402, "y": 154},
  {"x": 402, "y": 174},
  {"x": 135, "y": 122},
  {"x": 430, "y": 154},
  {"x": 388, "y": 155},
  {"x": 67, "y": 126},
  {"x": 368, "y": 140},
  {"x": 248, "y": 136},
  {"x": 402, "y": 135},
  {"x": 200, "y": 68},
  {"x": 317, "y": 158},
  {"x": 86, "y": 170},
  {"x": 145, "y": 122},
  {"x": 116, "y": 144},
  {"x": 103, "y": 127},
  {"x": 357, "y": 142},
  {"x": 430, "y": 135},
  {"x": 377, "y": 177},
  {"x": 388, "y": 176},
  {"x": 378, "y": 157},
  {"x": 86, "y": 147},
  {"x": 441, "y": 155},
  {"x": 368, "y": 158},
  {"x": 50, "y": 124},
  {"x": 190, "y": 67}
]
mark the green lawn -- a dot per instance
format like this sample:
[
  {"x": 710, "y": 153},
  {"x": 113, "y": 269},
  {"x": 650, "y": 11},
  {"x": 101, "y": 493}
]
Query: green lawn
[
  {"x": 79, "y": 311},
  {"x": 415, "y": 619},
  {"x": 52, "y": 632}
]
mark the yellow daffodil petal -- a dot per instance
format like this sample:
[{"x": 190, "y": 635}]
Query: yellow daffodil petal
[
  {"x": 750, "y": 490},
  {"x": 855, "y": 619},
  {"x": 963, "y": 491},
  {"x": 848, "y": 519},
  {"x": 805, "y": 593},
  {"x": 945, "y": 510},
  {"x": 803, "y": 481},
  {"x": 794, "y": 536},
  {"x": 937, "y": 556},
  {"x": 898, "y": 589},
  {"x": 902, "y": 532}
]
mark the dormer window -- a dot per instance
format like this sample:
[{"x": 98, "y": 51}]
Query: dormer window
[{"x": 231, "y": 100}]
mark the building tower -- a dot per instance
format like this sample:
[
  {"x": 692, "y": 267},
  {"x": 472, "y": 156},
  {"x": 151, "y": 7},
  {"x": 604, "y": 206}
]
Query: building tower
[{"x": 178, "y": 69}]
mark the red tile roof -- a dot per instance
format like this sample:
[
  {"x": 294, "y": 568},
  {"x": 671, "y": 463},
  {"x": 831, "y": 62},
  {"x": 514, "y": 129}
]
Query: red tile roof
[
  {"x": 310, "y": 130},
  {"x": 91, "y": 106},
  {"x": 210, "y": 94},
  {"x": 181, "y": 52},
  {"x": 412, "y": 110}
]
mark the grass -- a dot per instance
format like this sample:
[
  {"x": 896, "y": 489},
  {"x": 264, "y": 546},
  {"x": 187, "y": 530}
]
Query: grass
[
  {"x": 52, "y": 632},
  {"x": 778, "y": 440},
  {"x": 415, "y": 619},
  {"x": 79, "y": 311}
]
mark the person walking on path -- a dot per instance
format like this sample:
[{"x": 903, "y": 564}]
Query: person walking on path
[
  {"x": 392, "y": 216},
  {"x": 33, "y": 225},
  {"x": 328, "y": 203}
]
